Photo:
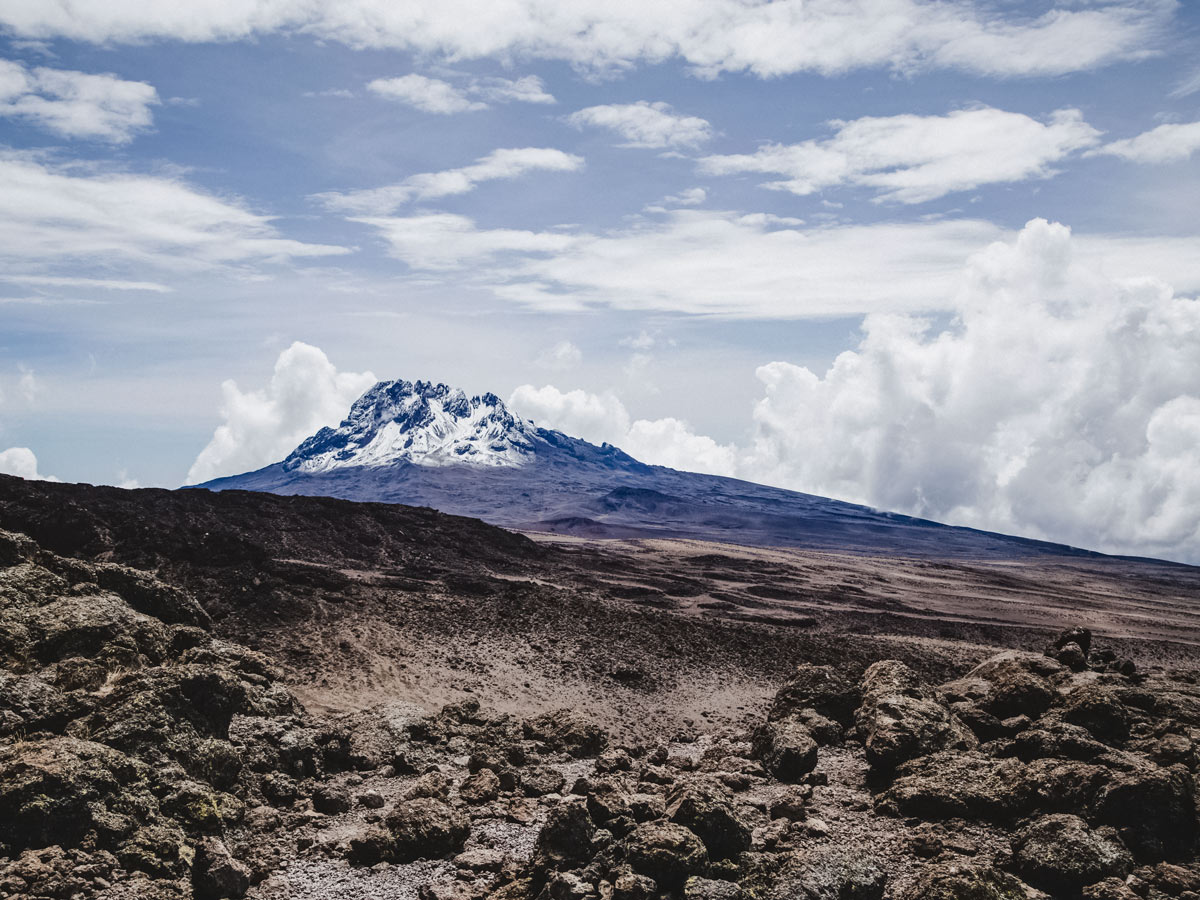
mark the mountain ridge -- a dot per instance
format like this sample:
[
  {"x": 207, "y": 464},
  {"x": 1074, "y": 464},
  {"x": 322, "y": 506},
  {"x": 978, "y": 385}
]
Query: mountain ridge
[{"x": 427, "y": 444}]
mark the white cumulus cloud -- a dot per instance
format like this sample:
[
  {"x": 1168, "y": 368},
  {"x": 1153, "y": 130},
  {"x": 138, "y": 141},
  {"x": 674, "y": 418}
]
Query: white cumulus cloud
[
  {"x": 1063, "y": 403},
  {"x": 1165, "y": 144},
  {"x": 22, "y": 462},
  {"x": 645, "y": 124},
  {"x": 603, "y": 418},
  {"x": 913, "y": 159},
  {"x": 305, "y": 394},
  {"x": 76, "y": 104},
  {"x": 431, "y": 95},
  {"x": 502, "y": 164},
  {"x": 767, "y": 39}
]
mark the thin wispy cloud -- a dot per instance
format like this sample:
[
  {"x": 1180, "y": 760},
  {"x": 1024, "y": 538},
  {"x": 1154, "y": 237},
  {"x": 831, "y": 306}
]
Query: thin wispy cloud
[
  {"x": 1169, "y": 143},
  {"x": 914, "y": 159},
  {"x": 503, "y": 164},
  {"x": 50, "y": 213}
]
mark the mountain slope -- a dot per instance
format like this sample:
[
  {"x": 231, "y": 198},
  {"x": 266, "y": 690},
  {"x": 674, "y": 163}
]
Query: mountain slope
[{"x": 429, "y": 445}]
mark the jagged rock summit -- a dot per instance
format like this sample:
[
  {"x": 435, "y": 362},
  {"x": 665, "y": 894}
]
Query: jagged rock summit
[{"x": 421, "y": 423}]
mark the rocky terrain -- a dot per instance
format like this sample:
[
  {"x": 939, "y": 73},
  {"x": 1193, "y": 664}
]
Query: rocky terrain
[{"x": 228, "y": 695}]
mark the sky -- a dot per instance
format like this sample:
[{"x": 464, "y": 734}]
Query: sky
[{"x": 936, "y": 256}]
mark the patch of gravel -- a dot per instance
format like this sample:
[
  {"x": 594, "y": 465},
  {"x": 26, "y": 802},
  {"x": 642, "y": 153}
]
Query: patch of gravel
[{"x": 335, "y": 879}]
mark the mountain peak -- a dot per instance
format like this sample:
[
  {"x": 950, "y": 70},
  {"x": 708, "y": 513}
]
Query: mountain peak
[{"x": 422, "y": 423}]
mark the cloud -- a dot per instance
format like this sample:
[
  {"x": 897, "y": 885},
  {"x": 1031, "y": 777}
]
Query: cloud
[
  {"x": 106, "y": 284},
  {"x": 913, "y": 159},
  {"x": 767, "y": 39},
  {"x": 73, "y": 213},
  {"x": 601, "y": 418},
  {"x": 22, "y": 462},
  {"x": 1164, "y": 144},
  {"x": 1187, "y": 86},
  {"x": 500, "y": 164},
  {"x": 718, "y": 263},
  {"x": 429, "y": 95},
  {"x": 1061, "y": 404},
  {"x": 305, "y": 394},
  {"x": 442, "y": 241},
  {"x": 27, "y": 385},
  {"x": 598, "y": 418},
  {"x": 76, "y": 104},
  {"x": 528, "y": 89},
  {"x": 562, "y": 356},
  {"x": 690, "y": 197},
  {"x": 644, "y": 124}
]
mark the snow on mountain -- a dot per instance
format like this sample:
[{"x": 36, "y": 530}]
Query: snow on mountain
[{"x": 423, "y": 424}]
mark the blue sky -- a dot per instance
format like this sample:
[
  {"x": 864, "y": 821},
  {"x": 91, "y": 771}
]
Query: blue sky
[{"x": 774, "y": 240}]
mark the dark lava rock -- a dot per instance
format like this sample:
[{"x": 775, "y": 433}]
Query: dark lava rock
[
  {"x": 666, "y": 852},
  {"x": 828, "y": 691},
  {"x": 786, "y": 749},
  {"x": 1100, "y": 711},
  {"x": 791, "y": 804},
  {"x": 55, "y": 790},
  {"x": 482, "y": 787},
  {"x": 837, "y": 873},
  {"x": 1008, "y": 684},
  {"x": 697, "y": 888},
  {"x": 216, "y": 874},
  {"x": 1060, "y": 854},
  {"x": 537, "y": 781},
  {"x": 331, "y": 799},
  {"x": 425, "y": 828},
  {"x": 958, "y": 882},
  {"x": 1153, "y": 809},
  {"x": 566, "y": 838},
  {"x": 1072, "y": 656},
  {"x": 566, "y": 731},
  {"x": 900, "y": 721},
  {"x": 632, "y": 886},
  {"x": 704, "y": 808},
  {"x": 1082, "y": 637}
]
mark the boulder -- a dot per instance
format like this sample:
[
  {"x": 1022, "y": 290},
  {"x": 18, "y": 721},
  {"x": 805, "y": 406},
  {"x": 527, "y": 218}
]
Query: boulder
[
  {"x": 482, "y": 787},
  {"x": 566, "y": 838},
  {"x": 537, "y": 781},
  {"x": 828, "y": 691},
  {"x": 425, "y": 828},
  {"x": 666, "y": 852},
  {"x": 836, "y": 873},
  {"x": 1153, "y": 809},
  {"x": 959, "y": 785},
  {"x": 970, "y": 882},
  {"x": 216, "y": 874},
  {"x": 331, "y": 799},
  {"x": 1008, "y": 684},
  {"x": 1100, "y": 711},
  {"x": 1060, "y": 854},
  {"x": 566, "y": 731},
  {"x": 899, "y": 720},
  {"x": 704, "y": 809},
  {"x": 786, "y": 748}
]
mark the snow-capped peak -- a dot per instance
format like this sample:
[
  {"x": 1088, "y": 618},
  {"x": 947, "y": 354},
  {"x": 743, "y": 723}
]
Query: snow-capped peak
[{"x": 421, "y": 423}]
